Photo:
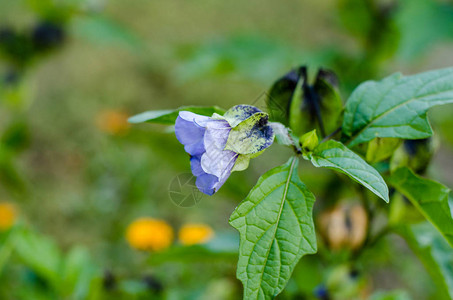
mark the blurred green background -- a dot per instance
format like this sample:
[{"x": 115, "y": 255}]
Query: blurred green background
[{"x": 78, "y": 175}]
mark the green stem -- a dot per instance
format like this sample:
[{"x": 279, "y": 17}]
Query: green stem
[{"x": 331, "y": 135}]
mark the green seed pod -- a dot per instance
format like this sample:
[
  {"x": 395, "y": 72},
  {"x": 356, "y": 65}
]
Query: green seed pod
[
  {"x": 305, "y": 106},
  {"x": 414, "y": 154},
  {"x": 380, "y": 149}
]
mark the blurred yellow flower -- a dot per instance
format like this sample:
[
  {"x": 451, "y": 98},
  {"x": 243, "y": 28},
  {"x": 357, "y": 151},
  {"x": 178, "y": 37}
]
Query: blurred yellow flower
[
  {"x": 149, "y": 234},
  {"x": 191, "y": 234},
  {"x": 113, "y": 122},
  {"x": 7, "y": 215}
]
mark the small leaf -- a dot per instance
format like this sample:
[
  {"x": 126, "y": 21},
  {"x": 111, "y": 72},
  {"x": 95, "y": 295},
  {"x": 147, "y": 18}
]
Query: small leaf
[
  {"x": 428, "y": 196},
  {"x": 251, "y": 136},
  {"x": 276, "y": 227},
  {"x": 335, "y": 155},
  {"x": 396, "y": 106},
  {"x": 168, "y": 116},
  {"x": 434, "y": 252}
]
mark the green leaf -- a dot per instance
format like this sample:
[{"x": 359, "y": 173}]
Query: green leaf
[
  {"x": 191, "y": 254},
  {"x": 335, "y": 155},
  {"x": 41, "y": 254},
  {"x": 390, "y": 295},
  {"x": 79, "y": 274},
  {"x": 102, "y": 30},
  {"x": 428, "y": 196},
  {"x": 422, "y": 24},
  {"x": 435, "y": 254},
  {"x": 396, "y": 106},
  {"x": 246, "y": 56},
  {"x": 168, "y": 116},
  {"x": 276, "y": 227}
]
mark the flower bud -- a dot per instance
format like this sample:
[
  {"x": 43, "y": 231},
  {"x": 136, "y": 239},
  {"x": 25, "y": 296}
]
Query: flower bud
[{"x": 309, "y": 141}]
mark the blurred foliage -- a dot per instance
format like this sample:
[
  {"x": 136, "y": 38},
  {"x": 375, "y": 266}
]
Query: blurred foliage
[{"x": 71, "y": 72}]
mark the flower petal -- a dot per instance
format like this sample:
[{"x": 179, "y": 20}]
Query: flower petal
[
  {"x": 225, "y": 174},
  {"x": 191, "y": 117},
  {"x": 195, "y": 165},
  {"x": 191, "y": 133},
  {"x": 206, "y": 183},
  {"x": 215, "y": 160}
]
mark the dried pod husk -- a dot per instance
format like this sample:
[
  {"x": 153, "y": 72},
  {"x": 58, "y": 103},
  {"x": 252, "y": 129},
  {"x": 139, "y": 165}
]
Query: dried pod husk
[{"x": 344, "y": 226}]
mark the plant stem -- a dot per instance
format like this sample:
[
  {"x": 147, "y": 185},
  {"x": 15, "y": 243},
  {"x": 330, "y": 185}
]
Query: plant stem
[{"x": 331, "y": 135}]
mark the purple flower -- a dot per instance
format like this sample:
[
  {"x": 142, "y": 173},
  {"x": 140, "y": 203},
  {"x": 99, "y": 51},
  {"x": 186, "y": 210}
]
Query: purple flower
[{"x": 214, "y": 153}]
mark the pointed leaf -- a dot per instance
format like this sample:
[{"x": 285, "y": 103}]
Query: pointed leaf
[
  {"x": 335, "y": 155},
  {"x": 428, "y": 196},
  {"x": 434, "y": 252},
  {"x": 168, "y": 116},
  {"x": 276, "y": 227},
  {"x": 396, "y": 106}
]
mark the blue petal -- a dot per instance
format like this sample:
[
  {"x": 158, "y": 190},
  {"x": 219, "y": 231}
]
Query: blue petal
[
  {"x": 206, "y": 182},
  {"x": 216, "y": 159},
  {"x": 190, "y": 135},
  {"x": 226, "y": 173},
  {"x": 195, "y": 165}
]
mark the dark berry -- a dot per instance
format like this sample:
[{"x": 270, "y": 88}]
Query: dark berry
[
  {"x": 109, "y": 281},
  {"x": 153, "y": 284},
  {"x": 321, "y": 293},
  {"x": 354, "y": 274},
  {"x": 6, "y": 35},
  {"x": 11, "y": 78},
  {"x": 47, "y": 35}
]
